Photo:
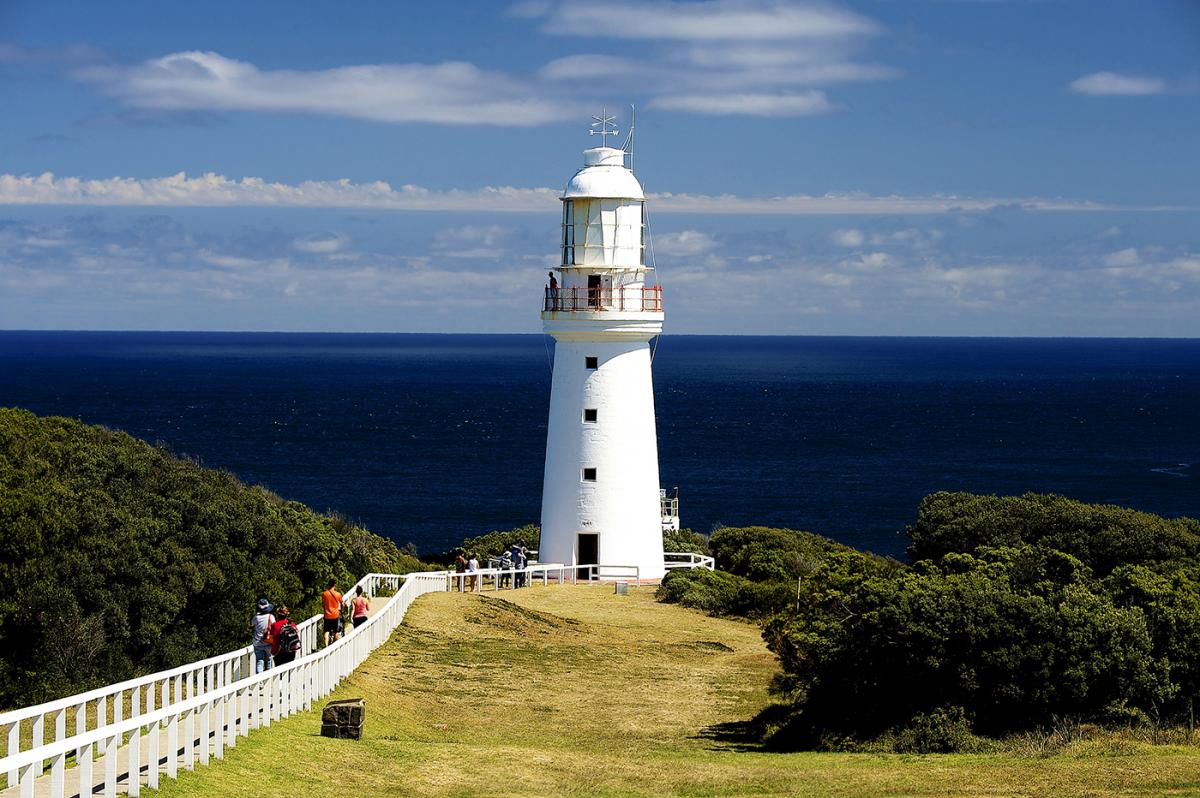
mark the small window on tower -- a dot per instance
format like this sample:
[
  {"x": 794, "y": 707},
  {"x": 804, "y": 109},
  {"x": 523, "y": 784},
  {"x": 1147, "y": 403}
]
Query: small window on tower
[
  {"x": 589, "y": 475},
  {"x": 589, "y": 415},
  {"x": 591, "y": 362}
]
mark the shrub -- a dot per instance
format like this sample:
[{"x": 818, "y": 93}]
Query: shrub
[
  {"x": 720, "y": 593},
  {"x": 1102, "y": 536},
  {"x": 685, "y": 540},
  {"x": 944, "y": 730}
]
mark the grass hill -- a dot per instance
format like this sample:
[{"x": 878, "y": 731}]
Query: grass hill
[
  {"x": 577, "y": 691},
  {"x": 118, "y": 558}
]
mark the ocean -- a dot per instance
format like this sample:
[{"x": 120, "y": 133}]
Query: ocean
[{"x": 432, "y": 438}]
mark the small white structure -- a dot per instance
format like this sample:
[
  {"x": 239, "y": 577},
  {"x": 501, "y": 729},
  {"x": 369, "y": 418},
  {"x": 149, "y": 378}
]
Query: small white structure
[{"x": 600, "y": 498}]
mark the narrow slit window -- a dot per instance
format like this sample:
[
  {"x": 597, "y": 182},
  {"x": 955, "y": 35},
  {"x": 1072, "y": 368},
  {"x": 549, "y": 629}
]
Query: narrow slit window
[
  {"x": 589, "y": 415},
  {"x": 589, "y": 475},
  {"x": 591, "y": 362}
]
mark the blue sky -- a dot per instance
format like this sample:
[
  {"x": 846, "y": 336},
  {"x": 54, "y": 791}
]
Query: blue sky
[{"x": 925, "y": 167}]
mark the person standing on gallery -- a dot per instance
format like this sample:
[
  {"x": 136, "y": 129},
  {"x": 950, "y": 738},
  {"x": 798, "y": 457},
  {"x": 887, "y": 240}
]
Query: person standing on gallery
[
  {"x": 360, "y": 605},
  {"x": 260, "y": 626},
  {"x": 553, "y": 292},
  {"x": 331, "y": 601}
]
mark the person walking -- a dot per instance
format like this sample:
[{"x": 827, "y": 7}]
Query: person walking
[
  {"x": 285, "y": 637},
  {"x": 519, "y": 563},
  {"x": 506, "y": 565},
  {"x": 360, "y": 605},
  {"x": 473, "y": 570},
  {"x": 260, "y": 627},
  {"x": 331, "y": 602},
  {"x": 460, "y": 568}
]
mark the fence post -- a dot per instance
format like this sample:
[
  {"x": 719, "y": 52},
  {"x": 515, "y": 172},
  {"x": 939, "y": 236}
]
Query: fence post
[
  {"x": 205, "y": 711},
  {"x": 14, "y": 746},
  {"x": 173, "y": 745},
  {"x": 152, "y": 756}
]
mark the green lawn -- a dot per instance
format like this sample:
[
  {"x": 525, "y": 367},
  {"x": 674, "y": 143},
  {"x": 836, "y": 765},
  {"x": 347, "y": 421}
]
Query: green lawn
[{"x": 577, "y": 691}]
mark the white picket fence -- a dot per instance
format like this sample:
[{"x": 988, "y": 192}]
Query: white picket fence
[{"x": 196, "y": 711}]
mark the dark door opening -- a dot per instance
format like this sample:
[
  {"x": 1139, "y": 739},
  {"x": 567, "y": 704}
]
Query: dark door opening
[
  {"x": 587, "y": 553},
  {"x": 594, "y": 283}
]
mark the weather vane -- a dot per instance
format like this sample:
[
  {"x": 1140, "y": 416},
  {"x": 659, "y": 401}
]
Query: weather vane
[{"x": 603, "y": 122}]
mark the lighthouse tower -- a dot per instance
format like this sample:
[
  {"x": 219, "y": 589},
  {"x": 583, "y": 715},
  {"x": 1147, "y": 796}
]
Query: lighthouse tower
[{"x": 600, "y": 497}]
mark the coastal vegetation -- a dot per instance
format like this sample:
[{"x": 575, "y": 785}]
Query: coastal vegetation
[
  {"x": 1015, "y": 614},
  {"x": 118, "y": 558}
]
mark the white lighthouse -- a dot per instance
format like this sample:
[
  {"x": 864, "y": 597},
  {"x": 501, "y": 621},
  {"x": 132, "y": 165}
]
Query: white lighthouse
[{"x": 600, "y": 496}]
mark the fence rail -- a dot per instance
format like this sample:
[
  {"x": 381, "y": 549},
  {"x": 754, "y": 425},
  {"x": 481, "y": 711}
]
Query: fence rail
[
  {"x": 193, "y": 713},
  {"x": 687, "y": 559}
]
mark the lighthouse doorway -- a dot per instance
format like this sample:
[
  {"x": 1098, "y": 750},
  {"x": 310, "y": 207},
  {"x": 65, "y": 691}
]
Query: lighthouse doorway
[{"x": 587, "y": 552}]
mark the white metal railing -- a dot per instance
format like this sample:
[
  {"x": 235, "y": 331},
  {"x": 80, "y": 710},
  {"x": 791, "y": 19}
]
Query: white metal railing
[
  {"x": 505, "y": 578},
  {"x": 107, "y": 705},
  {"x": 686, "y": 559},
  {"x": 195, "y": 711}
]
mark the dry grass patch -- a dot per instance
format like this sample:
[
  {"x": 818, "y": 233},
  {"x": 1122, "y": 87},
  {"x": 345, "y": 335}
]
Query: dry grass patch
[{"x": 576, "y": 691}]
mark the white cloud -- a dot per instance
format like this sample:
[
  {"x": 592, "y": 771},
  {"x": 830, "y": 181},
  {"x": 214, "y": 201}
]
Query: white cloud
[
  {"x": 848, "y": 238},
  {"x": 1124, "y": 257},
  {"x": 719, "y": 20},
  {"x": 869, "y": 261},
  {"x": 684, "y": 243},
  {"x": 1103, "y": 84},
  {"x": 717, "y": 57},
  {"x": 807, "y": 103},
  {"x": 592, "y": 67},
  {"x": 448, "y": 93},
  {"x": 210, "y": 190},
  {"x": 321, "y": 244}
]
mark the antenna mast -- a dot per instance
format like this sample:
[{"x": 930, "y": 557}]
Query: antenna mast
[
  {"x": 628, "y": 146},
  {"x": 604, "y": 121}
]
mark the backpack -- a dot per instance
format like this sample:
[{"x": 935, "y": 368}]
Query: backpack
[{"x": 289, "y": 638}]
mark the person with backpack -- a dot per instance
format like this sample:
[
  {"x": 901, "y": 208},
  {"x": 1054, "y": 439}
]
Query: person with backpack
[
  {"x": 260, "y": 627},
  {"x": 285, "y": 637},
  {"x": 359, "y": 607},
  {"x": 331, "y": 602}
]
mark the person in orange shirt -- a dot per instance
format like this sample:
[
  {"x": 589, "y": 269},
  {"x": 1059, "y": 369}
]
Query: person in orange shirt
[{"x": 331, "y": 600}]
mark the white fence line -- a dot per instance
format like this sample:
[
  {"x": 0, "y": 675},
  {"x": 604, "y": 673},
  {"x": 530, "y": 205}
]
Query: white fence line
[
  {"x": 218, "y": 699},
  {"x": 163, "y": 689}
]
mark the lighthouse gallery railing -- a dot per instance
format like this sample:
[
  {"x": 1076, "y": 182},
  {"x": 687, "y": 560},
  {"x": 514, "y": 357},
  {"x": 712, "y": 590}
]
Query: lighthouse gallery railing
[{"x": 579, "y": 299}]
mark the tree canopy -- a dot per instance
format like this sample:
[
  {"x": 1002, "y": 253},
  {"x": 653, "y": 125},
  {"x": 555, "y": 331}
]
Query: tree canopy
[{"x": 118, "y": 558}]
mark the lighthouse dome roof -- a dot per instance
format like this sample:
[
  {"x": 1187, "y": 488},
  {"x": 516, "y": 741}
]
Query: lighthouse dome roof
[{"x": 604, "y": 175}]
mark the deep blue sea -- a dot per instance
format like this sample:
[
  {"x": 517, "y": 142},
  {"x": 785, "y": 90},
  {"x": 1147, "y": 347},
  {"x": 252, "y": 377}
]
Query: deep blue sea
[{"x": 431, "y": 438}]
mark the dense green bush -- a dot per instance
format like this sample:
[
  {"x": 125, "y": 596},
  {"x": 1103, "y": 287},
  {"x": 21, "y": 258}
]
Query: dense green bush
[
  {"x": 1015, "y": 613},
  {"x": 759, "y": 571},
  {"x": 685, "y": 540},
  {"x": 118, "y": 558},
  {"x": 1102, "y": 536},
  {"x": 1019, "y": 611},
  {"x": 722, "y": 593}
]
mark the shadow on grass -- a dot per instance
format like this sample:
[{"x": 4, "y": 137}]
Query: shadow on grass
[{"x": 734, "y": 735}]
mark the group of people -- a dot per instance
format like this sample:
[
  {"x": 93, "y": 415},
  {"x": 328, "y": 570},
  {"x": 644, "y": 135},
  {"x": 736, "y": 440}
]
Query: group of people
[
  {"x": 276, "y": 638},
  {"x": 513, "y": 562}
]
